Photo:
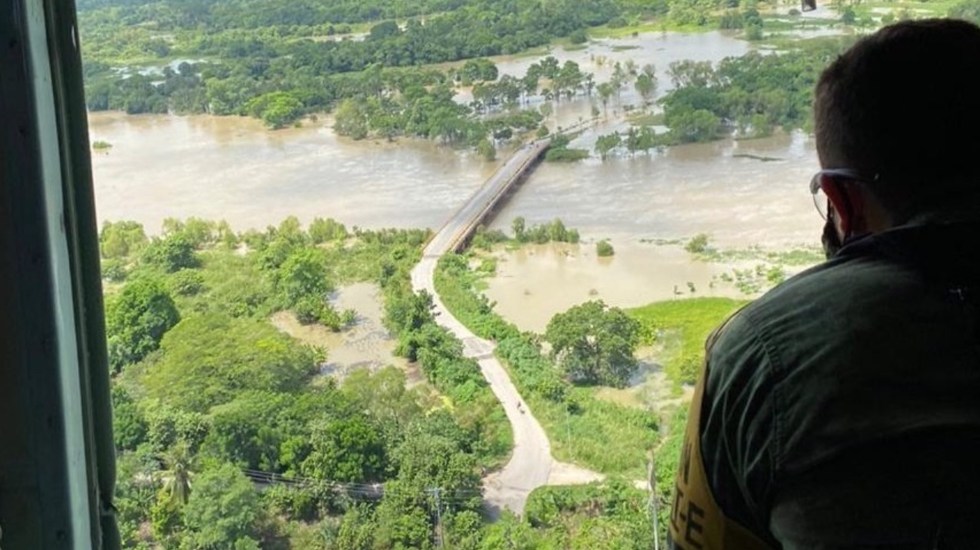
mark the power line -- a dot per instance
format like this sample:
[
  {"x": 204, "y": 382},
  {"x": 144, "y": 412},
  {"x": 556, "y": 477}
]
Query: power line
[{"x": 361, "y": 491}]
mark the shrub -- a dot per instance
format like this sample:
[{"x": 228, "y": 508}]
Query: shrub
[{"x": 698, "y": 244}]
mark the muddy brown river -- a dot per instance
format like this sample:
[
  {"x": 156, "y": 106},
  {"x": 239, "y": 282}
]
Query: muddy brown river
[{"x": 740, "y": 192}]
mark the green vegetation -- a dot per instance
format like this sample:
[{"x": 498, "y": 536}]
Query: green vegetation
[
  {"x": 607, "y": 515},
  {"x": 681, "y": 327},
  {"x": 565, "y": 154},
  {"x": 586, "y": 430},
  {"x": 698, "y": 244},
  {"x": 641, "y": 118},
  {"x": 208, "y": 394},
  {"x": 967, "y": 9},
  {"x": 561, "y": 152},
  {"x": 748, "y": 96},
  {"x": 753, "y": 281},
  {"x": 604, "y": 250},
  {"x": 583, "y": 429},
  {"x": 100, "y": 145},
  {"x": 769, "y": 269},
  {"x": 224, "y": 394},
  {"x": 594, "y": 344},
  {"x": 281, "y": 60},
  {"x": 136, "y": 320},
  {"x": 555, "y": 231}
]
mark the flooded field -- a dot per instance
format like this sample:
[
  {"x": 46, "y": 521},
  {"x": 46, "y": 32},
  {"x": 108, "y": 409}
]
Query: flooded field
[
  {"x": 367, "y": 344},
  {"x": 537, "y": 281}
]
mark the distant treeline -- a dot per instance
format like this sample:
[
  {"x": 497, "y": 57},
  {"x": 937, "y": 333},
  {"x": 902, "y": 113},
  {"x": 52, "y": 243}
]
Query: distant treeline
[
  {"x": 252, "y": 51},
  {"x": 282, "y": 59}
]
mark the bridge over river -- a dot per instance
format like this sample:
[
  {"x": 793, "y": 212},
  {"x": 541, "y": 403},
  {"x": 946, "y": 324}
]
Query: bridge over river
[{"x": 531, "y": 464}]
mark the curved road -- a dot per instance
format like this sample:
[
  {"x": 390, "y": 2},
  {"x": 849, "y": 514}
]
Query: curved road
[{"x": 530, "y": 464}]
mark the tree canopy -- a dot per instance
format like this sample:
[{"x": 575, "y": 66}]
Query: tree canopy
[
  {"x": 136, "y": 320},
  {"x": 594, "y": 343},
  {"x": 207, "y": 359}
]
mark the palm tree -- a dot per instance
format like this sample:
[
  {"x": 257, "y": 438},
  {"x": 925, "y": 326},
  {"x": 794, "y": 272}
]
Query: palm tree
[{"x": 177, "y": 475}]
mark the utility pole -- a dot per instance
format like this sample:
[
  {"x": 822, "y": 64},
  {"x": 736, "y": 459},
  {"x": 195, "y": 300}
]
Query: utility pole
[
  {"x": 652, "y": 487},
  {"x": 436, "y": 493},
  {"x": 568, "y": 430}
]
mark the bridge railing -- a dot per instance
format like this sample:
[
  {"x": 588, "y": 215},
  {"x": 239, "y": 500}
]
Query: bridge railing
[{"x": 493, "y": 201}]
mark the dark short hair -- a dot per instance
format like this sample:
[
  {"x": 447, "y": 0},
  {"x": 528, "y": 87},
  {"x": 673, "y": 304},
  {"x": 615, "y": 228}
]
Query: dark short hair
[{"x": 904, "y": 104}]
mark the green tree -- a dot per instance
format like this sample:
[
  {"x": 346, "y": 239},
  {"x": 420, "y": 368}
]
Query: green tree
[
  {"x": 302, "y": 275},
  {"x": 384, "y": 397},
  {"x": 248, "y": 430},
  {"x": 518, "y": 226},
  {"x": 136, "y": 321},
  {"x": 349, "y": 449},
  {"x": 276, "y": 109},
  {"x": 129, "y": 427},
  {"x": 486, "y": 150},
  {"x": 594, "y": 344},
  {"x": 171, "y": 253},
  {"x": 557, "y": 231},
  {"x": 222, "y": 511},
  {"x": 357, "y": 529},
  {"x": 196, "y": 231},
  {"x": 606, "y": 144},
  {"x": 209, "y": 359},
  {"x": 606, "y": 90},
  {"x": 177, "y": 473},
  {"x": 604, "y": 249},
  {"x": 351, "y": 119},
  {"x": 326, "y": 230},
  {"x": 511, "y": 533},
  {"x": 169, "y": 425},
  {"x": 136, "y": 493},
  {"x": 186, "y": 282},
  {"x": 646, "y": 86},
  {"x": 698, "y": 244},
  {"x": 384, "y": 30},
  {"x": 476, "y": 70},
  {"x": 120, "y": 239}
]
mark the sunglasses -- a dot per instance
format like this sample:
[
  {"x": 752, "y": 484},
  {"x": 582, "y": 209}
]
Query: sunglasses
[{"x": 820, "y": 200}]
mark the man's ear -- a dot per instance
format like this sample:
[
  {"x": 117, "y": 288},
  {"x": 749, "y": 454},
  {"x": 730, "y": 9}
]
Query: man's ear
[{"x": 848, "y": 204}]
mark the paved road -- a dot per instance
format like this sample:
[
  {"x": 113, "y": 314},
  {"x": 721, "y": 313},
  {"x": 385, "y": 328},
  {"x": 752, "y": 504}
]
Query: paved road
[{"x": 530, "y": 465}]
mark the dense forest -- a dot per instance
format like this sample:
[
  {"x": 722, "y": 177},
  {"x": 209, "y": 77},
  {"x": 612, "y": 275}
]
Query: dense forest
[
  {"x": 210, "y": 397},
  {"x": 240, "y": 53},
  {"x": 280, "y": 61},
  {"x": 229, "y": 436}
]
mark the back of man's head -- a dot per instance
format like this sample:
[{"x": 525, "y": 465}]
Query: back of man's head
[{"x": 904, "y": 104}]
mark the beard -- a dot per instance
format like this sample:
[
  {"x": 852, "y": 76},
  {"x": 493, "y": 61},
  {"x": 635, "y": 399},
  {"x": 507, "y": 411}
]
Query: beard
[{"x": 831, "y": 242}]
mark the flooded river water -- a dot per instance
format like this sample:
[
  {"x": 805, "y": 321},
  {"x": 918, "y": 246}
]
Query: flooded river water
[{"x": 739, "y": 192}]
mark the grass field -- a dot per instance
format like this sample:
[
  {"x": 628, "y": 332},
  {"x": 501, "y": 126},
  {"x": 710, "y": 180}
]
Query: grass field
[{"x": 681, "y": 327}]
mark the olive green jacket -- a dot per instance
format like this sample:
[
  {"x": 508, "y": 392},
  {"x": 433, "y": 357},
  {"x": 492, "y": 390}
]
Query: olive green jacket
[{"x": 842, "y": 409}]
